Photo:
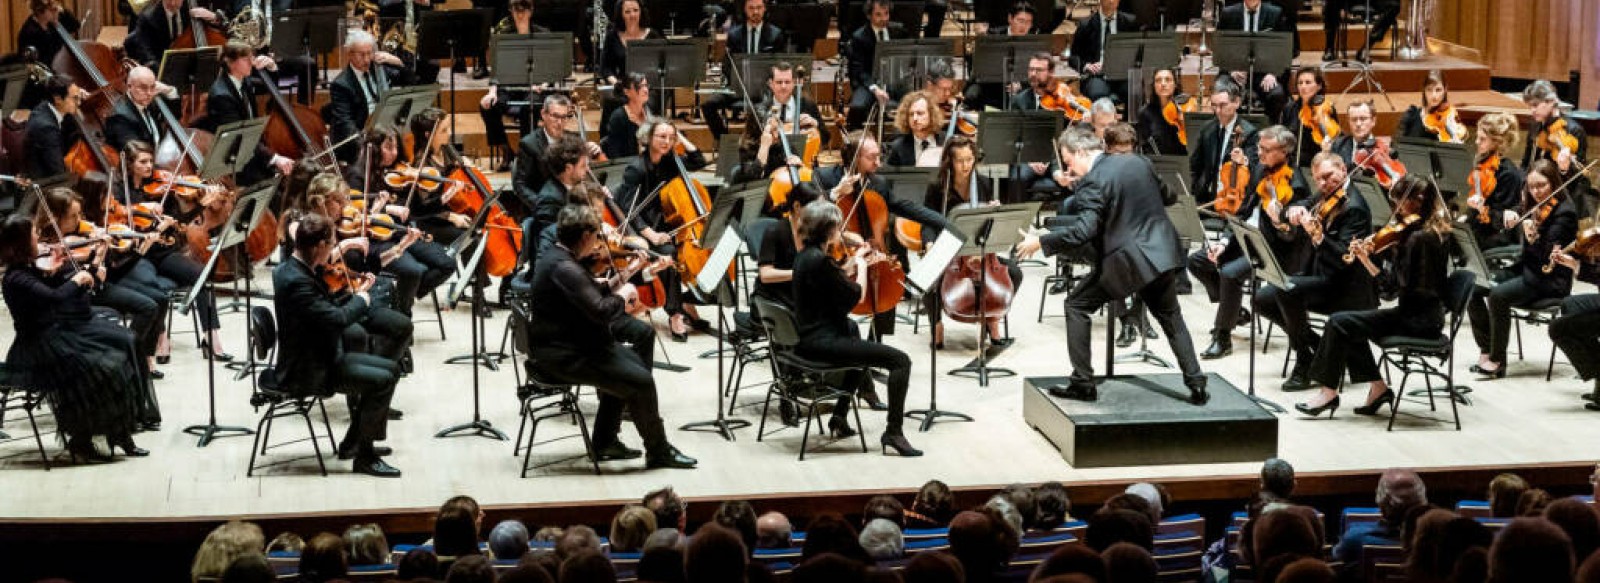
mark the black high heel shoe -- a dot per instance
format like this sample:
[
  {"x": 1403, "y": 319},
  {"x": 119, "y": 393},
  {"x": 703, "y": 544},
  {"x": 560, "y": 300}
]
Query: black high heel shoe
[
  {"x": 128, "y": 447},
  {"x": 1330, "y": 407},
  {"x": 205, "y": 349},
  {"x": 1487, "y": 374},
  {"x": 899, "y": 444},
  {"x": 839, "y": 428},
  {"x": 164, "y": 359},
  {"x": 1373, "y": 408},
  {"x": 85, "y": 452}
]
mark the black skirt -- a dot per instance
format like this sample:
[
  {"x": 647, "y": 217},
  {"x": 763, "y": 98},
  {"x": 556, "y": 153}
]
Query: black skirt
[{"x": 87, "y": 370}]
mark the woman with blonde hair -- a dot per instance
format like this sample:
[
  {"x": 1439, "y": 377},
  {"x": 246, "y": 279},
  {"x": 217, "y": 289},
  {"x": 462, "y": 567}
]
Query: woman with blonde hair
[{"x": 225, "y": 543}]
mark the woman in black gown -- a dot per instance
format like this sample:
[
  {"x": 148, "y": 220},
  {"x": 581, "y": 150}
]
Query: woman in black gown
[{"x": 86, "y": 365}]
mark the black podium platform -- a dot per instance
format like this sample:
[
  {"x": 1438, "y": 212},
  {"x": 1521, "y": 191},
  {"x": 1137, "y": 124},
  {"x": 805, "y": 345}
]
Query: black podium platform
[{"x": 1143, "y": 420}]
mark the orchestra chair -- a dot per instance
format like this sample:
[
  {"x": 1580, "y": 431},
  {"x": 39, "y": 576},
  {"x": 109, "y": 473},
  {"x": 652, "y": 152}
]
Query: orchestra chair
[
  {"x": 1540, "y": 313},
  {"x": 797, "y": 380},
  {"x": 543, "y": 397},
  {"x": 28, "y": 399},
  {"x": 748, "y": 349},
  {"x": 438, "y": 315},
  {"x": 175, "y": 298},
  {"x": 280, "y": 400},
  {"x": 1431, "y": 357}
]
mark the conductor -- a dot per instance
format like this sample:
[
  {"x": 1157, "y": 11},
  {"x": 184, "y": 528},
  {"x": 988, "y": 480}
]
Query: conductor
[{"x": 1121, "y": 214}]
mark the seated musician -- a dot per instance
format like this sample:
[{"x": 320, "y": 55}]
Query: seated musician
[
  {"x": 85, "y": 366},
  {"x": 1546, "y": 113},
  {"x": 1310, "y": 116},
  {"x": 1218, "y": 139},
  {"x": 53, "y": 128},
  {"x": 753, "y": 35},
  {"x": 232, "y": 99},
  {"x": 1019, "y": 22},
  {"x": 158, "y": 26},
  {"x": 137, "y": 118},
  {"x": 571, "y": 336},
  {"x": 38, "y": 30},
  {"x": 824, "y": 293},
  {"x": 314, "y": 361},
  {"x": 1320, "y": 229},
  {"x": 1158, "y": 135},
  {"x": 779, "y": 246},
  {"x": 568, "y": 160},
  {"x": 642, "y": 180},
  {"x": 921, "y": 125},
  {"x": 1222, "y": 267},
  {"x": 1089, "y": 45},
  {"x": 1575, "y": 331},
  {"x": 1362, "y": 118},
  {"x": 1416, "y": 267},
  {"x": 958, "y": 186},
  {"x": 1435, "y": 118},
  {"x": 620, "y": 135},
  {"x": 760, "y": 152},
  {"x": 861, "y": 56},
  {"x": 497, "y": 103},
  {"x": 1385, "y": 14},
  {"x": 354, "y": 94},
  {"x": 419, "y": 266},
  {"x": 1260, "y": 16},
  {"x": 1547, "y": 219},
  {"x": 1488, "y": 207},
  {"x": 1041, "y": 72},
  {"x": 530, "y": 173}
]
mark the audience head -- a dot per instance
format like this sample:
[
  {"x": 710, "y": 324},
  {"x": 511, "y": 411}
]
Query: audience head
[
  {"x": 471, "y": 569},
  {"x": 1128, "y": 563},
  {"x": 1579, "y": 520},
  {"x": 1070, "y": 559},
  {"x": 1023, "y": 498},
  {"x": 323, "y": 559},
  {"x": 1533, "y": 502},
  {"x": 417, "y": 563},
  {"x": 1151, "y": 493},
  {"x": 1277, "y": 478},
  {"x": 1589, "y": 570},
  {"x": 933, "y": 568},
  {"x": 1439, "y": 557},
  {"x": 715, "y": 555},
  {"x": 934, "y": 502},
  {"x": 1302, "y": 570},
  {"x": 829, "y": 568},
  {"x": 1398, "y": 492},
  {"x": 1504, "y": 491},
  {"x": 508, "y": 540},
  {"x": 455, "y": 529},
  {"x": 664, "y": 538},
  {"x": 630, "y": 527},
  {"x": 773, "y": 531},
  {"x": 366, "y": 545},
  {"x": 740, "y": 517},
  {"x": 1422, "y": 543},
  {"x": 1007, "y": 511},
  {"x": 830, "y": 533},
  {"x": 1109, "y": 526},
  {"x": 668, "y": 507},
  {"x": 1282, "y": 532},
  {"x": 883, "y": 540},
  {"x": 588, "y": 566},
  {"x": 249, "y": 568},
  {"x": 224, "y": 544},
  {"x": 576, "y": 539},
  {"x": 1136, "y": 503},
  {"x": 1530, "y": 550},
  {"x": 886, "y": 507},
  {"x": 661, "y": 565},
  {"x": 982, "y": 541},
  {"x": 1052, "y": 507},
  {"x": 526, "y": 571}
]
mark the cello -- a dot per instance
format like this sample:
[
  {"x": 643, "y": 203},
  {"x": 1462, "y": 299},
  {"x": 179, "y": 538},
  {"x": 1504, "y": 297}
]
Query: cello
[
  {"x": 294, "y": 130},
  {"x": 686, "y": 204},
  {"x": 505, "y": 235},
  {"x": 867, "y": 216}
]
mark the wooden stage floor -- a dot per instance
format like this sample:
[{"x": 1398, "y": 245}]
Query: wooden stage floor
[{"x": 1521, "y": 419}]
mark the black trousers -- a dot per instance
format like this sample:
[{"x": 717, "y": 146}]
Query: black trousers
[
  {"x": 624, "y": 380},
  {"x": 1160, "y": 297},
  {"x": 368, "y": 380},
  {"x": 138, "y": 296},
  {"x": 711, "y": 109},
  {"x": 1577, "y": 333},
  {"x": 671, "y": 281},
  {"x": 1290, "y": 309},
  {"x": 178, "y": 270},
  {"x": 1385, "y": 12},
  {"x": 1096, "y": 86},
  {"x": 1344, "y": 342},
  {"x": 1224, "y": 285},
  {"x": 383, "y": 332},
  {"x": 933, "y": 302},
  {"x": 854, "y": 350},
  {"x": 422, "y": 268},
  {"x": 1490, "y": 314},
  {"x": 494, "y": 116}
]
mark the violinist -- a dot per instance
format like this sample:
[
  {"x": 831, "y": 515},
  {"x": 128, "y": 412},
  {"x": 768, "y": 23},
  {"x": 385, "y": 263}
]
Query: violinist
[
  {"x": 1122, "y": 212},
  {"x": 754, "y": 35},
  {"x": 1160, "y": 121},
  {"x": 658, "y": 165},
  {"x": 1495, "y": 186},
  {"x": 231, "y": 100},
  {"x": 570, "y": 337},
  {"x": 1360, "y": 140},
  {"x": 1261, "y": 16},
  {"x": 158, "y": 26},
  {"x": 53, "y": 128},
  {"x": 569, "y": 160},
  {"x": 1437, "y": 118},
  {"x": 620, "y": 135},
  {"x": 530, "y": 173},
  {"x": 958, "y": 186},
  {"x": 824, "y": 293},
  {"x": 760, "y": 153},
  {"x": 860, "y": 57},
  {"x": 519, "y": 102},
  {"x": 1414, "y": 264},
  {"x": 1320, "y": 229},
  {"x": 418, "y": 266},
  {"x": 1546, "y": 219},
  {"x": 85, "y": 365},
  {"x": 1310, "y": 116},
  {"x": 315, "y": 362},
  {"x": 1218, "y": 139},
  {"x": 1576, "y": 331},
  {"x": 354, "y": 94},
  {"x": 1089, "y": 46},
  {"x": 1222, "y": 267},
  {"x": 921, "y": 125},
  {"x": 38, "y": 30},
  {"x": 1041, "y": 84},
  {"x": 1554, "y": 136},
  {"x": 136, "y": 117}
]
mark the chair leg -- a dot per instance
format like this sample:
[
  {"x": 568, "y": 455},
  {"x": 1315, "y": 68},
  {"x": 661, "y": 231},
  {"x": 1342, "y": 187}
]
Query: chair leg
[
  {"x": 527, "y": 450},
  {"x": 522, "y": 424},
  {"x": 438, "y": 315},
  {"x": 1517, "y": 325},
  {"x": 259, "y": 445},
  {"x": 861, "y": 430},
  {"x": 1450, "y": 377},
  {"x": 805, "y": 436},
  {"x": 761, "y": 425},
  {"x": 316, "y": 444},
  {"x": 326, "y": 426},
  {"x": 38, "y": 440},
  {"x": 266, "y": 436},
  {"x": 583, "y": 429},
  {"x": 1550, "y": 369}
]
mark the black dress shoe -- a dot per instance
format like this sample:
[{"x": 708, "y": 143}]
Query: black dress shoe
[
  {"x": 1150, "y": 332},
  {"x": 1198, "y": 394},
  {"x": 157, "y": 375},
  {"x": 839, "y": 428},
  {"x": 1244, "y": 318},
  {"x": 1220, "y": 346},
  {"x": 680, "y": 336},
  {"x": 1185, "y": 288},
  {"x": 898, "y": 443},
  {"x": 1592, "y": 406},
  {"x": 1328, "y": 55},
  {"x": 1330, "y": 407},
  {"x": 617, "y": 451},
  {"x": 1498, "y": 373},
  {"x": 873, "y": 402},
  {"x": 1128, "y": 335},
  {"x": 1376, "y": 405},
  {"x": 375, "y": 466},
  {"x": 377, "y": 451},
  {"x": 1297, "y": 382},
  {"x": 85, "y": 452},
  {"x": 1059, "y": 287},
  {"x": 164, "y": 359},
  {"x": 128, "y": 447},
  {"x": 788, "y": 414},
  {"x": 396, "y": 414},
  {"x": 671, "y": 459},
  {"x": 1088, "y": 393}
]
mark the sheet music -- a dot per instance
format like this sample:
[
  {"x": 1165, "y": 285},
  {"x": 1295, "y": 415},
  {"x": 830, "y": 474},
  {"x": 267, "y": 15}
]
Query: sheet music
[
  {"x": 716, "y": 270},
  {"x": 939, "y": 256}
]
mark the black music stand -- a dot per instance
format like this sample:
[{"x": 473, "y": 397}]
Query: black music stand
[
  {"x": 1004, "y": 59},
  {"x": 1128, "y": 54},
  {"x": 13, "y": 79},
  {"x": 472, "y": 271},
  {"x": 904, "y": 63},
  {"x": 1264, "y": 267},
  {"x": 1162, "y": 14},
  {"x": 1015, "y": 138},
  {"x": 247, "y": 212},
  {"x": 742, "y": 203},
  {"x": 525, "y": 60},
  {"x": 309, "y": 32},
  {"x": 921, "y": 282},
  {"x": 991, "y": 228},
  {"x": 755, "y": 69},
  {"x": 1447, "y": 164},
  {"x": 805, "y": 23},
  {"x": 1253, "y": 51},
  {"x": 190, "y": 71},
  {"x": 722, "y": 237},
  {"x": 908, "y": 182},
  {"x": 668, "y": 64},
  {"x": 397, "y": 105},
  {"x": 448, "y": 34}
]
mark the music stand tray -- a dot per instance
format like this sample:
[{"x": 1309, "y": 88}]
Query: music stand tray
[
  {"x": 902, "y": 60},
  {"x": 397, "y": 105},
  {"x": 1446, "y": 163},
  {"x": 1018, "y": 137},
  {"x": 668, "y": 63},
  {"x": 524, "y": 60},
  {"x": 190, "y": 71},
  {"x": 992, "y": 53},
  {"x": 755, "y": 69},
  {"x": 235, "y": 145},
  {"x": 306, "y": 31},
  {"x": 1146, "y": 50},
  {"x": 989, "y": 229},
  {"x": 13, "y": 78}
]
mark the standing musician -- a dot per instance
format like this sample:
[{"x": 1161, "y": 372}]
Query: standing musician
[
  {"x": 657, "y": 166},
  {"x": 1576, "y": 331},
  {"x": 231, "y": 100},
  {"x": 1218, "y": 139},
  {"x": 1160, "y": 122},
  {"x": 1554, "y": 136},
  {"x": 1321, "y": 230},
  {"x": 38, "y": 30},
  {"x": 861, "y": 56},
  {"x": 497, "y": 102},
  {"x": 620, "y": 136},
  {"x": 754, "y": 35},
  {"x": 530, "y": 173},
  {"x": 51, "y": 129},
  {"x": 1437, "y": 118},
  {"x": 1310, "y": 116},
  {"x": 1222, "y": 267},
  {"x": 316, "y": 361},
  {"x": 1547, "y": 220},
  {"x": 1089, "y": 46},
  {"x": 1495, "y": 185},
  {"x": 354, "y": 94},
  {"x": 1019, "y": 22},
  {"x": 1122, "y": 215},
  {"x": 957, "y": 186},
  {"x": 570, "y": 335},
  {"x": 1259, "y": 16},
  {"x": 825, "y": 290},
  {"x": 760, "y": 153},
  {"x": 419, "y": 266},
  {"x": 1385, "y": 13},
  {"x": 136, "y": 118},
  {"x": 921, "y": 125},
  {"x": 158, "y": 26},
  {"x": 1415, "y": 265}
]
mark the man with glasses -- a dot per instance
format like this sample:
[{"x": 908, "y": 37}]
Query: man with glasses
[
  {"x": 49, "y": 133},
  {"x": 763, "y": 153},
  {"x": 530, "y": 172},
  {"x": 1360, "y": 137},
  {"x": 354, "y": 94},
  {"x": 137, "y": 117}
]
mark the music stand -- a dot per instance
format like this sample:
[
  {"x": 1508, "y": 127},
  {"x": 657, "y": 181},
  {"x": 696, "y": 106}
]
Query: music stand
[
  {"x": 908, "y": 182},
  {"x": 1250, "y": 51},
  {"x": 1127, "y": 55},
  {"x": 610, "y": 172},
  {"x": 247, "y": 211},
  {"x": 906, "y": 61},
  {"x": 722, "y": 237},
  {"x": 190, "y": 71},
  {"x": 805, "y": 23},
  {"x": 448, "y": 34},
  {"x": 1446, "y": 163},
  {"x": 991, "y": 228},
  {"x": 1004, "y": 59},
  {"x": 921, "y": 282},
  {"x": 1264, "y": 267},
  {"x": 312, "y": 32},
  {"x": 397, "y": 105},
  {"x": 1376, "y": 197},
  {"x": 233, "y": 148},
  {"x": 756, "y": 68},
  {"x": 472, "y": 270},
  {"x": 1016, "y": 138},
  {"x": 13, "y": 79},
  {"x": 668, "y": 64},
  {"x": 525, "y": 60}
]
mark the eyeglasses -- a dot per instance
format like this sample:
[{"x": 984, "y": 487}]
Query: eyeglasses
[{"x": 568, "y": 115}]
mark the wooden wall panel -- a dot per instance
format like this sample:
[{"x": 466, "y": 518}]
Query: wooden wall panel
[{"x": 1529, "y": 39}]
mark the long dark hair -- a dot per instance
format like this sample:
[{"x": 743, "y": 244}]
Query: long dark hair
[{"x": 16, "y": 241}]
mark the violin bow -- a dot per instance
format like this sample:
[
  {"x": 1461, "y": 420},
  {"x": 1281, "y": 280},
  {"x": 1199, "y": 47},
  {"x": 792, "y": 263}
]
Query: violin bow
[
  {"x": 427, "y": 151},
  {"x": 856, "y": 160}
]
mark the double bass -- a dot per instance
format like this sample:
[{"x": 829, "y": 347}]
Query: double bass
[{"x": 969, "y": 279}]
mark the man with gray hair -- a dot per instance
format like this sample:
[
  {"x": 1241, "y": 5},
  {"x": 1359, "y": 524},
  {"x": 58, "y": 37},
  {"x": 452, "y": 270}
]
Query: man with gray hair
[
  {"x": 1399, "y": 491},
  {"x": 1122, "y": 213},
  {"x": 882, "y": 540},
  {"x": 773, "y": 531},
  {"x": 137, "y": 118},
  {"x": 1545, "y": 110},
  {"x": 509, "y": 540},
  {"x": 353, "y": 95}
]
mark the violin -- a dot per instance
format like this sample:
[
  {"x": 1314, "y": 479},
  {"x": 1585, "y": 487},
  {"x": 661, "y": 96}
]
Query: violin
[
  {"x": 1173, "y": 111},
  {"x": 1059, "y": 97},
  {"x": 184, "y": 186},
  {"x": 1277, "y": 186},
  {"x": 961, "y": 122},
  {"x": 142, "y": 217},
  {"x": 1380, "y": 162},
  {"x": 1445, "y": 123},
  {"x": 1586, "y": 245},
  {"x": 1231, "y": 184},
  {"x": 1384, "y": 238},
  {"x": 1555, "y": 139},
  {"x": 378, "y": 226},
  {"x": 1317, "y": 116},
  {"x": 1483, "y": 182},
  {"x": 426, "y": 178}
]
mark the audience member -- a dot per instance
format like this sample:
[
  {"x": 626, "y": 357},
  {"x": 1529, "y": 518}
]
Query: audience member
[
  {"x": 1423, "y": 543},
  {"x": 1579, "y": 520},
  {"x": 933, "y": 568},
  {"x": 1152, "y": 494},
  {"x": 669, "y": 508},
  {"x": 933, "y": 507},
  {"x": 1530, "y": 550},
  {"x": 773, "y": 531},
  {"x": 546, "y": 561},
  {"x": 1301, "y": 570},
  {"x": 630, "y": 528},
  {"x": 983, "y": 542},
  {"x": 1021, "y": 497},
  {"x": 1277, "y": 479},
  {"x": 1052, "y": 507},
  {"x": 886, "y": 507},
  {"x": 249, "y": 568},
  {"x": 662, "y": 564},
  {"x": 883, "y": 540},
  {"x": 418, "y": 563},
  {"x": 1533, "y": 502},
  {"x": 1128, "y": 563},
  {"x": 1504, "y": 492},
  {"x": 1398, "y": 492},
  {"x": 587, "y": 566},
  {"x": 323, "y": 559},
  {"x": 665, "y": 538},
  {"x": 1136, "y": 503},
  {"x": 286, "y": 542},
  {"x": 828, "y": 568},
  {"x": 830, "y": 533},
  {"x": 508, "y": 541},
  {"x": 715, "y": 555},
  {"x": 471, "y": 569},
  {"x": 1281, "y": 533},
  {"x": 548, "y": 534},
  {"x": 1068, "y": 559},
  {"x": 224, "y": 544},
  {"x": 455, "y": 529},
  {"x": 575, "y": 540},
  {"x": 366, "y": 545},
  {"x": 1008, "y": 511},
  {"x": 1458, "y": 542},
  {"x": 1589, "y": 571},
  {"x": 1109, "y": 526},
  {"x": 526, "y": 572},
  {"x": 740, "y": 517}
]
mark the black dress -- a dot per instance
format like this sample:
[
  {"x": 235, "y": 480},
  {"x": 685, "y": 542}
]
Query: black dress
[
  {"x": 86, "y": 366},
  {"x": 823, "y": 300}
]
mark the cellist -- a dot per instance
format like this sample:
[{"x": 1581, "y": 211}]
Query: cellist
[
  {"x": 231, "y": 100},
  {"x": 158, "y": 26},
  {"x": 760, "y": 153},
  {"x": 958, "y": 186},
  {"x": 38, "y": 30},
  {"x": 657, "y": 165}
]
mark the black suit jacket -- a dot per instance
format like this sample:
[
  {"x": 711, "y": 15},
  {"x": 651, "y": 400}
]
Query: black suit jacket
[
  {"x": 225, "y": 105},
  {"x": 772, "y": 39},
  {"x": 45, "y": 42},
  {"x": 1353, "y": 221},
  {"x": 312, "y": 323},
  {"x": 126, "y": 124},
  {"x": 149, "y": 35},
  {"x": 1271, "y": 19},
  {"x": 1120, "y": 213},
  {"x": 862, "y": 52},
  {"x": 530, "y": 174},
  {"x": 902, "y": 150},
  {"x": 1086, "y": 43},
  {"x": 1025, "y": 100},
  {"x": 346, "y": 112},
  {"x": 547, "y": 206},
  {"x": 1205, "y": 156},
  {"x": 748, "y": 170},
  {"x": 567, "y": 307},
  {"x": 47, "y": 141}
]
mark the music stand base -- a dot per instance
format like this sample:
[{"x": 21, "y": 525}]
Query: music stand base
[
  {"x": 211, "y": 431},
  {"x": 983, "y": 372},
  {"x": 490, "y": 360},
  {"x": 669, "y": 367},
  {"x": 474, "y": 428},
  {"x": 722, "y": 426},
  {"x": 1460, "y": 393},
  {"x": 1144, "y": 356},
  {"x": 1275, "y": 408},
  {"x": 932, "y": 414}
]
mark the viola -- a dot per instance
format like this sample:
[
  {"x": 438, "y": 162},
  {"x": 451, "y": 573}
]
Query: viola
[
  {"x": 1277, "y": 186},
  {"x": 867, "y": 215},
  {"x": 1058, "y": 96},
  {"x": 1378, "y": 159},
  {"x": 1173, "y": 111},
  {"x": 1555, "y": 138},
  {"x": 1483, "y": 183},
  {"x": 1316, "y": 116},
  {"x": 1386, "y": 237},
  {"x": 961, "y": 122},
  {"x": 1586, "y": 246},
  {"x": 1231, "y": 184},
  {"x": 1445, "y": 123}
]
